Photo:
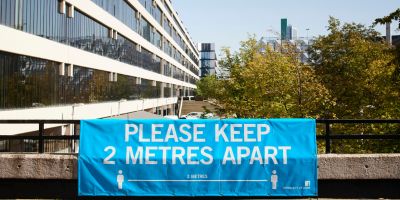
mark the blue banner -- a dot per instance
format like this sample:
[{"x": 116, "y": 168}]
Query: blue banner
[{"x": 240, "y": 157}]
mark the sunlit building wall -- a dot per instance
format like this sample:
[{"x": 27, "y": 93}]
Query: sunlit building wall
[{"x": 75, "y": 59}]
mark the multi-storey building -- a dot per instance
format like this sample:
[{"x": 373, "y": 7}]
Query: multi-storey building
[
  {"x": 208, "y": 60},
  {"x": 77, "y": 59},
  {"x": 291, "y": 33},
  {"x": 284, "y": 24},
  {"x": 301, "y": 45}
]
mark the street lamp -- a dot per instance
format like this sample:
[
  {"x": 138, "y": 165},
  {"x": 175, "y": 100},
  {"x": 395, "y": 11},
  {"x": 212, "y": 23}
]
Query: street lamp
[{"x": 307, "y": 29}]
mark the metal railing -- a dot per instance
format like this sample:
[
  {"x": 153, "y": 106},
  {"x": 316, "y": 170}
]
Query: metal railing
[
  {"x": 42, "y": 140},
  {"x": 330, "y": 136},
  {"x": 37, "y": 138}
]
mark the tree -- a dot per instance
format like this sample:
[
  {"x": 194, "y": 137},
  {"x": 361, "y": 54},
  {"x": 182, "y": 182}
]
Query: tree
[
  {"x": 350, "y": 76},
  {"x": 396, "y": 51},
  {"x": 208, "y": 87},
  {"x": 353, "y": 63},
  {"x": 388, "y": 19},
  {"x": 265, "y": 84}
]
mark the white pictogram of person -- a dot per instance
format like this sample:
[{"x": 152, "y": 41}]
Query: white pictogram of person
[
  {"x": 274, "y": 179},
  {"x": 120, "y": 179}
]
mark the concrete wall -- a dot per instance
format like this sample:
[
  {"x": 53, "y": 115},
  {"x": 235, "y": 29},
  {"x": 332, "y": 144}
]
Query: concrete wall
[
  {"x": 38, "y": 166},
  {"x": 330, "y": 166},
  {"x": 359, "y": 166}
]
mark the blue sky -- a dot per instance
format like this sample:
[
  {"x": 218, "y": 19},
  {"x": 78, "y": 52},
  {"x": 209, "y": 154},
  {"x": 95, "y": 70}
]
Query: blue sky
[{"x": 226, "y": 22}]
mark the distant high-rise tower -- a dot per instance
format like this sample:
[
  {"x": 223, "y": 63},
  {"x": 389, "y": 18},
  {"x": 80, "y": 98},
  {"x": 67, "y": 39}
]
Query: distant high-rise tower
[
  {"x": 208, "y": 60},
  {"x": 291, "y": 33},
  {"x": 294, "y": 33},
  {"x": 283, "y": 29}
]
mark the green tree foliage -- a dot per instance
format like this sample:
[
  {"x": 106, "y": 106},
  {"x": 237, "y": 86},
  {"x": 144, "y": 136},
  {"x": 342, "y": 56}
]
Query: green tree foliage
[
  {"x": 354, "y": 65},
  {"x": 357, "y": 68},
  {"x": 388, "y": 19},
  {"x": 208, "y": 87},
  {"x": 396, "y": 51},
  {"x": 350, "y": 76},
  {"x": 265, "y": 84}
]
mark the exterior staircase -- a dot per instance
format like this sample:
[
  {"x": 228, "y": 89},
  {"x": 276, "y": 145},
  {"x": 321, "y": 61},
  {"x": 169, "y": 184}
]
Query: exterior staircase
[{"x": 197, "y": 106}]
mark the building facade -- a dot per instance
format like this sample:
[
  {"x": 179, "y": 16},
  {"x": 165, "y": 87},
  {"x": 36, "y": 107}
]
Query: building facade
[
  {"x": 208, "y": 60},
  {"x": 79, "y": 59},
  {"x": 284, "y": 24},
  {"x": 291, "y": 33},
  {"x": 300, "y": 44}
]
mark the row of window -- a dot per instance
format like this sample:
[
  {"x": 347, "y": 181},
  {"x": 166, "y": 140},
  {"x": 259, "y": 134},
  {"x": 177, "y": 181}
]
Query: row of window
[
  {"x": 32, "y": 82},
  {"x": 191, "y": 54},
  {"x": 40, "y": 17},
  {"x": 207, "y": 67},
  {"x": 207, "y": 47},
  {"x": 124, "y": 12},
  {"x": 155, "y": 11},
  {"x": 208, "y": 55}
]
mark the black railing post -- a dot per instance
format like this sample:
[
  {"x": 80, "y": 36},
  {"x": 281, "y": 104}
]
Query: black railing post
[
  {"x": 73, "y": 140},
  {"x": 327, "y": 137},
  {"x": 41, "y": 139}
]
